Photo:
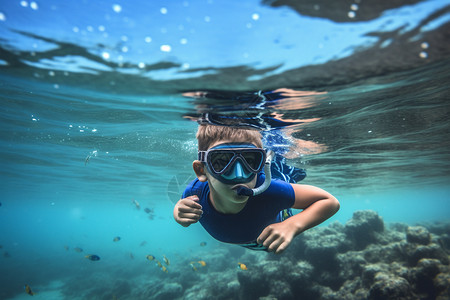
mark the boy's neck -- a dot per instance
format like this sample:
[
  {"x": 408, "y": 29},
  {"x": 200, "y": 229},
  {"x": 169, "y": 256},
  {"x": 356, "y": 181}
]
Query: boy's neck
[{"x": 224, "y": 206}]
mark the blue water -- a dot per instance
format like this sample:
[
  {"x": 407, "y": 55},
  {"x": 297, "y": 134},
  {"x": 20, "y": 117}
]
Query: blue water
[{"x": 93, "y": 117}]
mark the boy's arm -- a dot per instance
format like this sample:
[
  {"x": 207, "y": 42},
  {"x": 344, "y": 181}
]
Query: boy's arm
[{"x": 317, "y": 204}]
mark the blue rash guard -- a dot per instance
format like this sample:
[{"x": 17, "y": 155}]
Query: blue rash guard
[{"x": 244, "y": 227}]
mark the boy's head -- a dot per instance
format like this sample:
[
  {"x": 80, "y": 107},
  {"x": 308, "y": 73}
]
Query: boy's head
[
  {"x": 208, "y": 135},
  {"x": 228, "y": 157}
]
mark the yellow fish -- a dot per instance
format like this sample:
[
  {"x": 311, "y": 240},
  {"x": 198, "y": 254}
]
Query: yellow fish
[
  {"x": 166, "y": 260},
  {"x": 116, "y": 239},
  {"x": 164, "y": 269},
  {"x": 202, "y": 263},
  {"x": 150, "y": 257},
  {"x": 159, "y": 264},
  {"x": 28, "y": 290},
  {"x": 242, "y": 266}
]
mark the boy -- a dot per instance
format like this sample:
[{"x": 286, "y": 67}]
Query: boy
[{"x": 231, "y": 159}]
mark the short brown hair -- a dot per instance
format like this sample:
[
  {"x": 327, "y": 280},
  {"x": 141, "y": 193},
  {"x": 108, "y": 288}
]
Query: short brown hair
[{"x": 210, "y": 134}]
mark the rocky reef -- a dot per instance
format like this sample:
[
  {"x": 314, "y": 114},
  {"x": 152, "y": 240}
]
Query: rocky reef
[{"x": 362, "y": 259}]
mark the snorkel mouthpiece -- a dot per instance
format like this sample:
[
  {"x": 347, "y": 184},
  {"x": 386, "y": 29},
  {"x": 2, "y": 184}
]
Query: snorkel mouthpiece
[{"x": 244, "y": 191}]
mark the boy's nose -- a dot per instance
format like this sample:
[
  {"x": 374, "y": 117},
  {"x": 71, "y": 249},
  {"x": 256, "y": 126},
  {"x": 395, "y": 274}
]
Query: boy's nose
[{"x": 239, "y": 171}]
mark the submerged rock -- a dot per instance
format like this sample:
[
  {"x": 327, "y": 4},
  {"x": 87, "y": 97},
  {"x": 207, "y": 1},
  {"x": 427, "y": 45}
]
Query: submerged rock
[
  {"x": 363, "y": 227},
  {"x": 169, "y": 291},
  {"x": 388, "y": 287},
  {"x": 360, "y": 260},
  {"x": 418, "y": 235}
]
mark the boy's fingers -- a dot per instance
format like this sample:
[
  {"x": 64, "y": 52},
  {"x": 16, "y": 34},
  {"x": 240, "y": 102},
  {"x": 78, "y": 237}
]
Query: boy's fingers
[
  {"x": 187, "y": 221},
  {"x": 274, "y": 245},
  {"x": 281, "y": 248},
  {"x": 263, "y": 236},
  {"x": 192, "y": 203},
  {"x": 190, "y": 216},
  {"x": 193, "y": 197},
  {"x": 183, "y": 209}
]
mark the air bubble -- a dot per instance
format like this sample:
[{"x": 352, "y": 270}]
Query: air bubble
[
  {"x": 255, "y": 17},
  {"x": 117, "y": 8},
  {"x": 163, "y": 10},
  {"x": 354, "y": 7},
  {"x": 351, "y": 14},
  {"x": 105, "y": 55},
  {"x": 165, "y": 48},
  {"x": 34, "y": 6},
  {"x": 424, "y": 45},
  {"x": 2, "y": 17},
  {"x": 423, "y": 54}
]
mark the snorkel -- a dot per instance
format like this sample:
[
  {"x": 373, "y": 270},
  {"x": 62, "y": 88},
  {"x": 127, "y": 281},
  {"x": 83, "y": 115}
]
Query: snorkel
[{"x": 245, "y": 191}]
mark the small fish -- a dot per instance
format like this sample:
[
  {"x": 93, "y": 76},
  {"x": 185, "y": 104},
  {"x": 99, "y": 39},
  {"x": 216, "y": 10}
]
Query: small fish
[
  {"x": 89, "y": 156},
  {"x": 192, "y": 264},
  {"x": 202, "y": 263},
  {"x": 143, "y": 243},
  {"x": 116, "y": 239},
  {"x": 138, "y": 206},
  {"x": 28, "y": 290},
  {"x": 203, "y": 244},
  {"x": 159, "y": 264},
  {"x": 166, "y": 260},
  {"x": 242, "y": 266},
  {"x": 78, "y": 249},
  {"x": 92, "y": 257},
  {"x": 66, "y": 247},
  {"x": 150, "y": 257},
  {"x": 164, "y": 269},
  {"x": 148, "y": 210}
]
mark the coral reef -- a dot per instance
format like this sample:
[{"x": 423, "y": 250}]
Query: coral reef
[{"x": 362, "y": 259}]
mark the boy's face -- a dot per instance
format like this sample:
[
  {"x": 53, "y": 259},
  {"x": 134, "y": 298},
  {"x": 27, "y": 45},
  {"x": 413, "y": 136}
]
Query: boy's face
[{"x": 224, "y": 189}]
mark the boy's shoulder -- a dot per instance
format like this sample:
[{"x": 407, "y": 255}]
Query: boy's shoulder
[{"x": 195, "y": 187}]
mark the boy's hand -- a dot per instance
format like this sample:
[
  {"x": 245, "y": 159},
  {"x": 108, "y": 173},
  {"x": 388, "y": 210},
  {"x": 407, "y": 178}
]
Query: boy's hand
[
  {"x": 276, "y": 237},
  {"x": 187, "y": 211}
]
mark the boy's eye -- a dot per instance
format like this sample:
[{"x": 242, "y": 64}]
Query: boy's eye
[
  {"x": 253, "y": 159},
  {"x": 220, "y": 160}
]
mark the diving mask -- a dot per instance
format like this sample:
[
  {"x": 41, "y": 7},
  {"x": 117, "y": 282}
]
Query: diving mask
[{"x": 233, "y": 163}]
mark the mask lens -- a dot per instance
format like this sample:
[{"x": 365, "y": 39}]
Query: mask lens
[
  {"x": 254, "y": 159},
  {"x": 219, "y": 160}
]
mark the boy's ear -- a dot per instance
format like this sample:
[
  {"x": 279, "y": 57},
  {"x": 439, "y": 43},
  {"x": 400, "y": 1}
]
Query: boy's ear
[{"x": 199, "y": 170}]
